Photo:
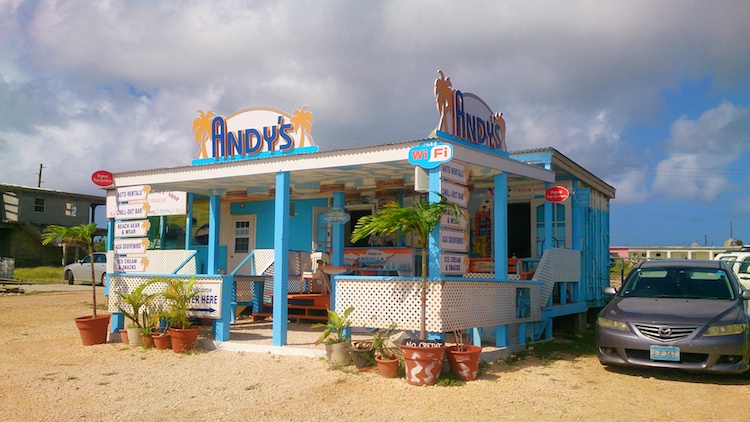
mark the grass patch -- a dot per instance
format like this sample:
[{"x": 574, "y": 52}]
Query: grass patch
[
  {"x": 41, "y": 275},
  {"x": 563, "y": 347},
  {"x": 449, "y": 379}
]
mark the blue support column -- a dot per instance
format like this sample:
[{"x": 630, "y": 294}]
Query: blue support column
[
  {"x": 548, "y": 229},
  {"x": 548, "y": 241},
  {"x": 162, "y": 231},
  {"x": 476, "y": 336},
  {"x": 189, "y": 222},
  {"x": 337, "y": 244},
  {"x": 577, "y": 218},
  {"x": 281, "y": 257},
  {"x": 117, "y": 320},
  {"x": 502, "y": 336},
  {"x": 433, "y": 251},
  {"x": 221, "y": 326},
  {"x": 110, "y": 246},
  {"x": 522, "y": 333},
  {"x": 500, "y": 226},
  {"x": 258, "y": 288},
  {"x": 214, "y": 207}
]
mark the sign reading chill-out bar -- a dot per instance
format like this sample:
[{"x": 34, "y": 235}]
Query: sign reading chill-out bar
[{"x": 456, "y": 194}]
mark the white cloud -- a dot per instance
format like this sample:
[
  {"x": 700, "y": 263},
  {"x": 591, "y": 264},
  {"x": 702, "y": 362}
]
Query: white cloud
[
  {"x": 701, "y": 151},
  {"x": 126, "y": 79}
]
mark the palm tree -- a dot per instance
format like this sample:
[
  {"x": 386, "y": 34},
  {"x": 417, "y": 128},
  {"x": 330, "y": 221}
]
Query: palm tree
[
  {"x": 421, "y": 219},
  {"x": 202, "y": 131},
  {"x": 83, "y": 233},
  {"x": 302, "y": 121},
  {"x": 444, "y": 100}
]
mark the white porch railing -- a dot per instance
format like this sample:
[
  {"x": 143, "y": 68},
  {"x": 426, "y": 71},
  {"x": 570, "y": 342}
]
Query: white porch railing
[{"x": 455, "y": 304}]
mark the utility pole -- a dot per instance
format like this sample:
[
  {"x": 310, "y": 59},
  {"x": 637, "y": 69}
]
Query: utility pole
[{"x": 39, "y": 181}]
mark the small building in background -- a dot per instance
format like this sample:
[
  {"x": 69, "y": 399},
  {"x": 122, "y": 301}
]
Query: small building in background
[{"x": 24, "y": 213}]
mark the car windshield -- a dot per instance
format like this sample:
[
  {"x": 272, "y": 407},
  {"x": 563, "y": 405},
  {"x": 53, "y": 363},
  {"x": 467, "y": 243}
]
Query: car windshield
[{"x": 685, "y": 283}]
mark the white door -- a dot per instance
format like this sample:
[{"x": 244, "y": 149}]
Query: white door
[{"x": 241, "y": 241}]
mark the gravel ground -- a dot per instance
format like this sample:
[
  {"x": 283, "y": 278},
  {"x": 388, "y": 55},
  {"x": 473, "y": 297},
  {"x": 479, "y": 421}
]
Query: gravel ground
[{"x": 49, "y": 376}]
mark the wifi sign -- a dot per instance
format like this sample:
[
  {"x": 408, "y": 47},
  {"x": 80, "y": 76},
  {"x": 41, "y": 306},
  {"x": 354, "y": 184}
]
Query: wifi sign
[{"x": 430, "y": 154}]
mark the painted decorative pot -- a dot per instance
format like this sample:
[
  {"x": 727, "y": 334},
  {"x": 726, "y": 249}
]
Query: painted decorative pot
[{"x": 423, "y": 364}]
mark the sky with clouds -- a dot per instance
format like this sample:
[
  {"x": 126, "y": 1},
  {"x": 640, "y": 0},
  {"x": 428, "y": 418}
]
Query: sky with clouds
[{"x": 652, "y": 97}]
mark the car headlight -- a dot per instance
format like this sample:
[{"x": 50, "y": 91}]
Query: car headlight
[
  {"x": 724, "y": 330},
  {"x": 612, "y": 324}
]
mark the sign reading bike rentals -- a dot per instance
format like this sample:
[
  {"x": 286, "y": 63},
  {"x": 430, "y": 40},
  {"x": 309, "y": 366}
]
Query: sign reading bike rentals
[
  {"x": 252, "y": 133},
  {"x": 136, "y": 202}
]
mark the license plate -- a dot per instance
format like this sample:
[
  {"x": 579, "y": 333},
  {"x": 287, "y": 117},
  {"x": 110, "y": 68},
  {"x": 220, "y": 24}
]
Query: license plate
[{"x": 665, "y": 353}]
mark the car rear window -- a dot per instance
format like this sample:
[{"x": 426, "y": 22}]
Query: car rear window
[{"x": 687, "y": 283}]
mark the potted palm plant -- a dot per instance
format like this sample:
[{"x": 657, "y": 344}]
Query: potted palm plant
[
  {"x": 134, "y": 306},
  {"x": 386, "y": 356},
  {"x": 334, "y": 337},
  {"x": 423, "y": 359},
  {"x": 179, "y": 294},
  {"x": 93, "y": 328}
]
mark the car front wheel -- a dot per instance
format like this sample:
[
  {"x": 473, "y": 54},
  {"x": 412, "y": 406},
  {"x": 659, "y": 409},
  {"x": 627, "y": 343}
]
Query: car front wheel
[
  {"x": 69, "y": 277},
  {"x": 104, "y": 278}
]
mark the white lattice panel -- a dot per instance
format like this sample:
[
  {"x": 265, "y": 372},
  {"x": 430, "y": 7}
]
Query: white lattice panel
[
  {"x": 162, "y": 261},
  {"x": 126, "y": 284},
  {"x": 264, "y": 261},
  {"x": 455, "y": 304},
  {"x": 557, "y": 265}
]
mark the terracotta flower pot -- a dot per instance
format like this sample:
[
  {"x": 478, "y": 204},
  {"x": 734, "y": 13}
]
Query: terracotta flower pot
[
  {"x": 388, "y": 368},
  {"x": 124, "y": 336},
  {"x": 162, "y": 341},
  {"x": 147, "y": 340},
  {"x": 464, "y": 364},
  {"x": 93, "y": 330},
  {"x": 184, "y": 339},
  {"x": 423, "y": 364}
]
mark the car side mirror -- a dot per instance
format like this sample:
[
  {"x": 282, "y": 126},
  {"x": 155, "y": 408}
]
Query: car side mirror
[
  {"x": 611, "y": 291},
  {"x": 746, "y": 295}
]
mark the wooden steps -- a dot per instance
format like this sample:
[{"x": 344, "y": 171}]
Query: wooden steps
[{"x": 301, "y": 307}]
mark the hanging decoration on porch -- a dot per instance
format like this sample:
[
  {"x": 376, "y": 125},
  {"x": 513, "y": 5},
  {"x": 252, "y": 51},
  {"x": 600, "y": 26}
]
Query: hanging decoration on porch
[{"x": 482, "y": 231}]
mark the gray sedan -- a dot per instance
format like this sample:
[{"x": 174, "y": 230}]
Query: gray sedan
[{"x": 684, "y": 314}]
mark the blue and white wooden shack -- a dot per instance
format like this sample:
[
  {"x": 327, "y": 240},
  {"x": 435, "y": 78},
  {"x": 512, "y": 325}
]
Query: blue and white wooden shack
[{"x": 262, "y": 203}]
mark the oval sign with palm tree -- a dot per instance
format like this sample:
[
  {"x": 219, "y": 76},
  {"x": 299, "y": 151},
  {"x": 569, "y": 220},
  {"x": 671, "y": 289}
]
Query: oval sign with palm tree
[{"x": 252, "y": 133}]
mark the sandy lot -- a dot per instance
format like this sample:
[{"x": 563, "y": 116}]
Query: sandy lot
[{"x": 48, "y": 375}]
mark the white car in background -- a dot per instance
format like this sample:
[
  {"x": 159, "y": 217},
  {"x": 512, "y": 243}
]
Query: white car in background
[
  {"x": 739, "y": 262},
  {"x": 81, "y": 270}
]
